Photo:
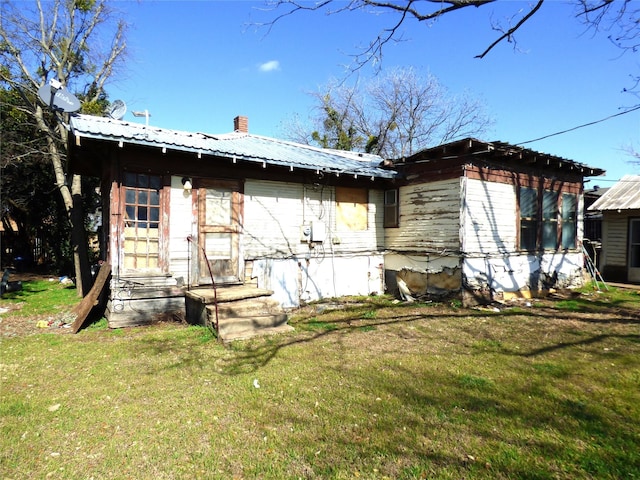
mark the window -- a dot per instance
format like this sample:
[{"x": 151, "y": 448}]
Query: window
[
  {"x": 142, "y": 221},
  {"x": 548, "y": 219},
  {"x": 528, "y": 218},
  {"x": 569, "y": 218},
  {"x": 391, "y": 209}
]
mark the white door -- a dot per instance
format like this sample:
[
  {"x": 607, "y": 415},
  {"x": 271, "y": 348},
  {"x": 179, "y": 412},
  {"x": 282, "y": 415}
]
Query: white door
[{"x": 633, "y": 274}]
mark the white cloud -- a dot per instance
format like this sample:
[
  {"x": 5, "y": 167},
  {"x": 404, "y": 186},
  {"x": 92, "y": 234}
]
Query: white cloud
[{"x": 270, "y": 66}]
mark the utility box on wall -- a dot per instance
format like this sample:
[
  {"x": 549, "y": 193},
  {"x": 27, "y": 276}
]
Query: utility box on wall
[
  {"x": 314, "y": 232},
  {"x": 318, "y": 232}
]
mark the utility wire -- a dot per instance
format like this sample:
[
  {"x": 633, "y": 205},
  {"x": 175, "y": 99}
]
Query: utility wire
[{"x": 633, "y": 109}]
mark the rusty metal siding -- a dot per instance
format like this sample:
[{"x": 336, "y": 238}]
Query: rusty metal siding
[
  {"x": 489, "y": 223},
  {"x": 429, "y": 218}
]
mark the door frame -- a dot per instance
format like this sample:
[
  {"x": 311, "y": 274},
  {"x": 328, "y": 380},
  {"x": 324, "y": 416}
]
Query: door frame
[{"x": 235, "y": 229}]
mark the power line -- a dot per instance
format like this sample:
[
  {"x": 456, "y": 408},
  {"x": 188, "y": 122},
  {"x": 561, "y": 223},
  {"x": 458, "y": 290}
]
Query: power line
[{"x": 632, "y": 109}]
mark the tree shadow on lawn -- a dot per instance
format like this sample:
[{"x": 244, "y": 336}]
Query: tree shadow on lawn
[
  {"x": 531, "y": 425},
  {"x": 253, "y": 354}
]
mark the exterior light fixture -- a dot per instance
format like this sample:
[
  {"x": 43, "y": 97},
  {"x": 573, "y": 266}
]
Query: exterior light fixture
[{"x": 186, "y": 184}]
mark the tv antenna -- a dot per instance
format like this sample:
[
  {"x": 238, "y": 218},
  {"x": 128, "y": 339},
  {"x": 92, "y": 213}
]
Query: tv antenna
[{"x": 117, "y": 109}]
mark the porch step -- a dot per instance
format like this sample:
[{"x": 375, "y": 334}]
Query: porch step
[{"x": 242, "y": 311}]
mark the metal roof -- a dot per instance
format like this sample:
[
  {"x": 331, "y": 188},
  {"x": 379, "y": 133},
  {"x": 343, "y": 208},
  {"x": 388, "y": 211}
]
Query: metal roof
[
  {"x": 624, "y": 195},
  {"x": 504, "y": 152},
  {"x": 235, "y": 145}
]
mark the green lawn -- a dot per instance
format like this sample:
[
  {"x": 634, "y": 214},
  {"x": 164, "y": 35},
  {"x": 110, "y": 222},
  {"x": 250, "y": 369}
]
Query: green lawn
[{"x": 372, "y": 390}]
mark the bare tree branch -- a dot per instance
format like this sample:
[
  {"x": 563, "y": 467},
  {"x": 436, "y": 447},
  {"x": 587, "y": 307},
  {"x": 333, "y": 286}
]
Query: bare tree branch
[{"x": 509, "y": 33}]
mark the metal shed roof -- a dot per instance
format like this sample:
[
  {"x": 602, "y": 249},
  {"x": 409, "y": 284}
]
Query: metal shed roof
[
  {"x": 624, "y": 195},
  {"x": 235, "y": 145}
]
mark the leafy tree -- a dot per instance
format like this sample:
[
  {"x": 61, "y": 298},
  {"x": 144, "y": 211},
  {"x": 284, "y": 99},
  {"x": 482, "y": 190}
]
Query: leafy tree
[
  {"x": 621, "y": 19},
  {"x": 394, "y": 115},
  {"x": 62, "y": 40},
  {"x": 35, "y": 223}
]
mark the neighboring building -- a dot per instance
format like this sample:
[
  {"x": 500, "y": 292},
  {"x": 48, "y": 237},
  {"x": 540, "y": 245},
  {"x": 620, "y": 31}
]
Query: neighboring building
[
  {"x": 620, "y": 208},
  {"x": 593, "y": 225},
  {"x": 487, "y": 219}
]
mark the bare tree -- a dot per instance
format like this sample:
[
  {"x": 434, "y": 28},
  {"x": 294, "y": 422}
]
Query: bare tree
[
  {"x": 62, "y": 40},
  {"x": 620, "y": 19},
  {"x": 394, "y": 115}
]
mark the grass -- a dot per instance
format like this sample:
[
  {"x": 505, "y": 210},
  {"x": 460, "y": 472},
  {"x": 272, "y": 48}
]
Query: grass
[
  {"x": 41, "y": 297},
  {"x": 369, "y": 390}
]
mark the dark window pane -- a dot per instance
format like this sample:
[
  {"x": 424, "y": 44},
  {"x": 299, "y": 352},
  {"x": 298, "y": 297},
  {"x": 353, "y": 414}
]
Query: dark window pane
[
  {"x": 528, "y": 203},
  {"x": 569, "y": 206},
  {"x": 569, "y": 234},
  {"x": 154, "y": 214},
  {"x": 143, "y": 197},
  {"x": 550, "y": 234},
  {"x": 528, "y": 234},
  {"x": 142, "y": 213},
  {"x": 131, "y": 212},
  {"x": 550, "y": 206},
  {"x": 155, "y": 182},
  {"x": 154, "y": 197},
  {"x": 130, "y": 179},
  {"x": 143, "y": 181}
]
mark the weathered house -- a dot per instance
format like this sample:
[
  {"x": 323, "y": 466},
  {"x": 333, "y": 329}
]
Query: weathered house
[
  {"x": 182, "y": 210},
  {"x": 487, "y": 218},
  {"x": 185, "y": 211},
  {"x": 620, "y": 207}
]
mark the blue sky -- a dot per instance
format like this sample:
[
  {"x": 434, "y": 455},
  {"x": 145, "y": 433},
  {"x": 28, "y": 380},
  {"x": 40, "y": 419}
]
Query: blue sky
[{"x": 196, "y": 65}]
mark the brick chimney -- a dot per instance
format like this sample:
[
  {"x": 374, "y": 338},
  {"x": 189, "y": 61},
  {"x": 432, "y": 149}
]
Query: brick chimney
[{"x": 241, "y": 124}]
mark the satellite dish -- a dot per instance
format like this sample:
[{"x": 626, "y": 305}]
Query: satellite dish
[
  {"x": 57, "y": 97},
  {"x": 117, "y": 109}
]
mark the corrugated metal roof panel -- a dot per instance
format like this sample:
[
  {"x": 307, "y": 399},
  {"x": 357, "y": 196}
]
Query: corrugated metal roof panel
[
  {"x": 242, "y": 146},
  {"x": 624, "y": 195}
]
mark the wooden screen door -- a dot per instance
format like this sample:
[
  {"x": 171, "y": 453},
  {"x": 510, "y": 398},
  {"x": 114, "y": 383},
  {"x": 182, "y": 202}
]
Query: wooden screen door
[
  {"x": 634, "y": 250},
  {"x": 220, "y": 205}
]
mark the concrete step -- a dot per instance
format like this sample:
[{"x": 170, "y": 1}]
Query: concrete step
[
  {"x": 246, "y": 307},
  {"x": 227, "y": 326},
  {"x": 251, "y": 333},
  {"x": 239, "y": 311}
]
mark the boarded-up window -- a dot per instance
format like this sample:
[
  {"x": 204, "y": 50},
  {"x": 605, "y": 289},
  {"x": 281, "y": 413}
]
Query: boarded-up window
[
  {"x": 142, "y": 221},
  {"x": 351, "y": 206},
  {"x": 391, "y": 209}
]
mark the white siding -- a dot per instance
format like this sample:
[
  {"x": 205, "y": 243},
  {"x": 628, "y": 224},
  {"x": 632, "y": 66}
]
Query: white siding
[
  {"x": 321, "y": 276},
  {"x": 274, "y": 213},
  {"x": 489, "y": 223},
  {"x": 429, "y": 218},
  {"x": 182, "y": 221},
  {"x": 516, "y": 272}
]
